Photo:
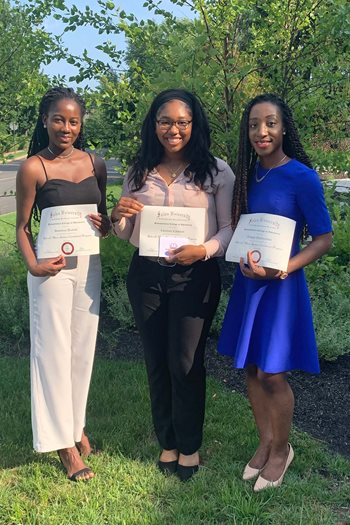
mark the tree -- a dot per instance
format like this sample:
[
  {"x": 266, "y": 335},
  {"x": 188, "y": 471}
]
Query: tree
[
  {"x": 24, "y": 46},
  {"x": 229, "y": 52}
]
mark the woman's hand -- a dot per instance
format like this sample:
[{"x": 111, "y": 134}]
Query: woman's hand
[
  {"x": 254, "y": 271},
  {"x": 125, "y": 207},
  {"x": 101, "y": 223},
  {"x": 187, "y": 254},
  {"x": 48, "y": 267}
]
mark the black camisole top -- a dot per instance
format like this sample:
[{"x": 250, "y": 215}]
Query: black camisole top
[{"x": 60, "y": 192}]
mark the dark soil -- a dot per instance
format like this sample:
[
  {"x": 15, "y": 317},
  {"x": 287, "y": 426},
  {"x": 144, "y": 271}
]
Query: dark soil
[{"x": 322, "y": 402}]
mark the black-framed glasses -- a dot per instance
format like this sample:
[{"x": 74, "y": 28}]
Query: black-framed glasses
[{"x": 165, "y": 124}]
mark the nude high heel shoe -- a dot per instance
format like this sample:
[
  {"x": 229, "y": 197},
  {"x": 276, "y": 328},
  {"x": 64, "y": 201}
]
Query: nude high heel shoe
[
  {"x": 250, "y": 472},
  {"x": 262, "y": 483}
]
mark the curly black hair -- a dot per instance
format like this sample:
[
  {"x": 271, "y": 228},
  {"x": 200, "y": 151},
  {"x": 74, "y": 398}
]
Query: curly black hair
[{"x": 202, "y": 163}]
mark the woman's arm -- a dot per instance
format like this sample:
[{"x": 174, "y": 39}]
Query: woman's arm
[
  {"x": 319, "y": 245},
  {"x": 218, "y": 243},
  {"x": 26, "y": 183},
  {"x": 124, "y": 212}
]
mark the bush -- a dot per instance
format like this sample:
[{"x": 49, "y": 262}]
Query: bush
[
  {"x": 118, "y": 306},
  {"x": 14, "y": 314},
  {"x": 329, "y": 162},
  {"x": 331, "y": 309},
  {"x": 220, "y": 313}
]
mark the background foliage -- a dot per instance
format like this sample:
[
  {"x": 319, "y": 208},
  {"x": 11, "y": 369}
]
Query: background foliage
[
  {"x": 328, "y": 279},
  {"x": 227, "y": 53}
]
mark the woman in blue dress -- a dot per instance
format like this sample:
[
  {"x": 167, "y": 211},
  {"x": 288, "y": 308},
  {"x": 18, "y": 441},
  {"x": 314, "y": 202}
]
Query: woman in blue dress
[{"x": 268, "y": 326}]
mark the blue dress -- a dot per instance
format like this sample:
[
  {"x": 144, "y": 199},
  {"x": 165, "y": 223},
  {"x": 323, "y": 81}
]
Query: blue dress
[{"x": 268, "y": 323}]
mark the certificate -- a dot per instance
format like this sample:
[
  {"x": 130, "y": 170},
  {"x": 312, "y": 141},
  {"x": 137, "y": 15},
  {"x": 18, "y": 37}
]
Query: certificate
[
  {"x": 268, "y": 236},
  {"x": 164, "y": 223},
  {"x": 67, "y": 230}
]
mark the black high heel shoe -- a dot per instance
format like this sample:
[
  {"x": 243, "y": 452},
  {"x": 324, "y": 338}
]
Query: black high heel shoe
[
  {"x": 167, "y": 467},
  {"x": 185, "y": 473}
]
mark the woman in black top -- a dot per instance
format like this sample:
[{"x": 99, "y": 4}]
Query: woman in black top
[{"x": 64, "y": 292}]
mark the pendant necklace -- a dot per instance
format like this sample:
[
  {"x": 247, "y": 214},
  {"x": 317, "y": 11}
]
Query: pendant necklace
[
  {"x": 175, "y": 172},
  {"x": 266, "y": 174},
  {"x": 61, "y": 156}
]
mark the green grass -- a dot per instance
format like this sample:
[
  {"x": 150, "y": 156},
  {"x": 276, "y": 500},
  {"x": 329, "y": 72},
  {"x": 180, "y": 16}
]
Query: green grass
[
  {"x": 129, "y": 490},
  {"x": 7, "y": 232},
  {"x": 14, "y": 155}
]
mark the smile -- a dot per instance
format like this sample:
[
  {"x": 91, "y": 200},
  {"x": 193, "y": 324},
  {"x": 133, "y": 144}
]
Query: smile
[
  {"x": 262, "y": 143},
  {"x": 174, "y": 141}
]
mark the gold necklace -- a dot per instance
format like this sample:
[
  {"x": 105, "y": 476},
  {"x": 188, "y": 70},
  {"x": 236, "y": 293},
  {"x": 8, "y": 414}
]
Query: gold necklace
[
  {"x": 266, "y": 174},
  {"x": 61, "y": 156},
  {"x": 176, "y": 171}
]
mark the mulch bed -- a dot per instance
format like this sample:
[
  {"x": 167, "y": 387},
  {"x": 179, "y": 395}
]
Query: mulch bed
[{"x": 321, "y": 401}]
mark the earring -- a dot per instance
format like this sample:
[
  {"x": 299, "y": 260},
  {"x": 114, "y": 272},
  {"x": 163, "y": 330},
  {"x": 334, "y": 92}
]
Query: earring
[
  {"x": 282, "y": 133},
  {"x": 44, "y": 125}
]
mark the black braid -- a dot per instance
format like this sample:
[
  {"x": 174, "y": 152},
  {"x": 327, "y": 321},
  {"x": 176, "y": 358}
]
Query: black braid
[
  {"x": 247, "y": 157},
  {"x": 202, "y": 163},
  {"x": 40, "y": 138}
]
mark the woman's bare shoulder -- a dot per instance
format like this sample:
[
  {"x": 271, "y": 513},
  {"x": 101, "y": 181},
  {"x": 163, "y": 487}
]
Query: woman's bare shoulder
[{"x": 30, "y": 168}]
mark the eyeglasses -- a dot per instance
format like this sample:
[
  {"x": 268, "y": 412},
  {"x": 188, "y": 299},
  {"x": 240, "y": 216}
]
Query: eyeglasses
[{"x": 165, "y": 125}]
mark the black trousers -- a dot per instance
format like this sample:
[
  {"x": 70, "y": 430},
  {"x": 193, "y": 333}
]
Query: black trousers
[{"x": 174, "y": 308}]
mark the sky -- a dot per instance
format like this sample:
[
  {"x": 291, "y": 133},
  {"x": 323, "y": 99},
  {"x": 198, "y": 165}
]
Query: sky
[{"x": 88, "y": 38}]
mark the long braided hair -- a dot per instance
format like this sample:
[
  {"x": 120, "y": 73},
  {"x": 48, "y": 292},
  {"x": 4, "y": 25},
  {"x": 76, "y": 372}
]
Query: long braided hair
[
  {"x": 202, "y": 163},
  {"x": 40, "y": 138},
  {"x": 247, "y": 156}
]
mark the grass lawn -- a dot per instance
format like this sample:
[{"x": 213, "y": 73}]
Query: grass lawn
[
  {"x": 129, "y": 490},
  {"x": 19, "y": 154},
  {"x": 7, "y": 231}
]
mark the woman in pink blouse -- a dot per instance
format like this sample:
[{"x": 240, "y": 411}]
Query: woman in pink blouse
[{"x": 174, "y": 299}]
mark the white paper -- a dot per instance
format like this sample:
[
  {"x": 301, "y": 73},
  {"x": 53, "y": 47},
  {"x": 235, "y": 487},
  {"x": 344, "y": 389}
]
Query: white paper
[
  {"x": 170, "y": 221},
  {"x": 269, "y": 236},
  {"x": 68, "y": 231}
]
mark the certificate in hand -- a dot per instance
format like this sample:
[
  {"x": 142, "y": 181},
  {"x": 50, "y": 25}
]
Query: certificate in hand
[
  {"x": 67, "y": 230},
  {"x": 158, "y": 222},
  {"x": 269, "y": 236}
]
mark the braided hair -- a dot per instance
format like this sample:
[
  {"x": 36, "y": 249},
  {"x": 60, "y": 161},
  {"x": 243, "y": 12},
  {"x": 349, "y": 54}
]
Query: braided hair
[
  {"x": 202, "y": 163},
  {"x": 40, "y": 138},
  {"x": 247, "y": 156}
]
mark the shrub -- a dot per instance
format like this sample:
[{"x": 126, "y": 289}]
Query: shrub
[
  {"x": 220, "y": 313},
  {"x": 115, "y": 257},
  {"x": 331, "y": 309},
  {"x": 330, "y": 163},
  {"x": 14, "y": 315},
  {"x": 118, "y": 305}
]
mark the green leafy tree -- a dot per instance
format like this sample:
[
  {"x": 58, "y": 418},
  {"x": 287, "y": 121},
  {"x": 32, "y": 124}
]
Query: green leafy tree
[
  {"x": 24, "y": 47},
  {"x": 228, "y": 52}
]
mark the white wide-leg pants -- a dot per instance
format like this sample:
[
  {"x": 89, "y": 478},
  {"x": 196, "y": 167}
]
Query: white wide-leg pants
[{"x": 64, "y": 313}]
